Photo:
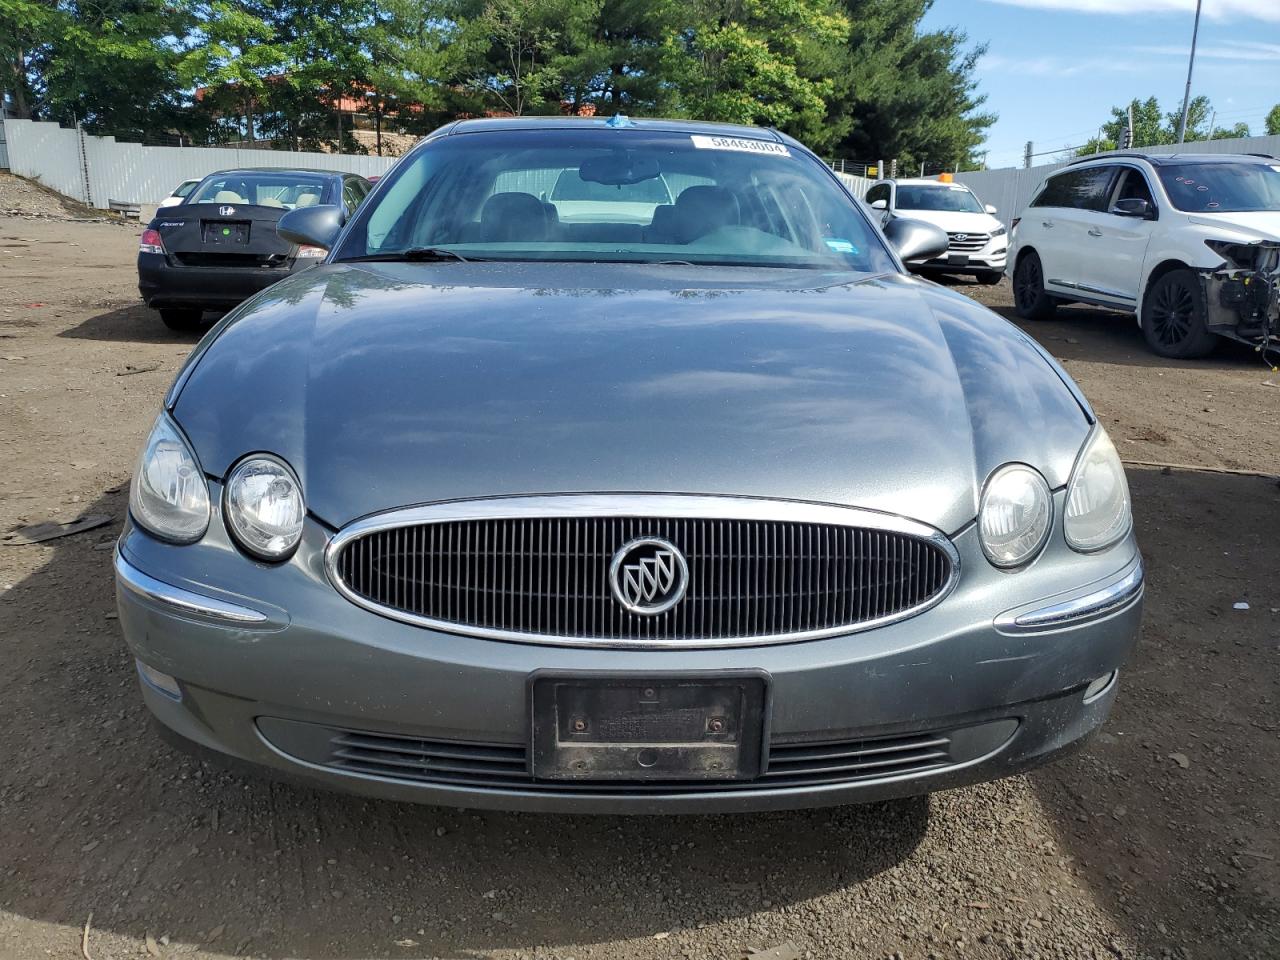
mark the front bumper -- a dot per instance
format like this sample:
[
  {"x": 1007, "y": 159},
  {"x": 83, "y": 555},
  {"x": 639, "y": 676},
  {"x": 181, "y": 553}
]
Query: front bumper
[
  {"x": 163, "y": 284},
  {"x": 280, "y": 670}
]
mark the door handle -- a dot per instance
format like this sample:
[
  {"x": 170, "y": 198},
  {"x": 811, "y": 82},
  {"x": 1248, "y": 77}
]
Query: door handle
[
  {"x": 1095, "y": 232},
  {"x": 1046, "y": 223}
]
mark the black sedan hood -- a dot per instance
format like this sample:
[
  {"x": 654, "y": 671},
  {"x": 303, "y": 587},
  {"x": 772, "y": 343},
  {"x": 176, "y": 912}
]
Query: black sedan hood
[{"x": 386, "y": 385}]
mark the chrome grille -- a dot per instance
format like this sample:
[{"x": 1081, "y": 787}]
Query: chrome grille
[
  {"x": 972, "y": 242},
  {"x": 460, "y": 763},
  {"x": 545, "y": 578}
]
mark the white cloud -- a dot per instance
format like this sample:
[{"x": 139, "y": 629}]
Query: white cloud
[
  {"x": 1216, "y": 9},
  {"x": 1050, "y": 66},
  {"x": 1228, "y": 50}
]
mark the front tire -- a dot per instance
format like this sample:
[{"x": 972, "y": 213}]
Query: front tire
[
  {"x": 183, "y": 319},
  {"x": 1174, "y": 317},
  {"x": 988, "y": 277},
  {"x": 1030, "y": 299}
]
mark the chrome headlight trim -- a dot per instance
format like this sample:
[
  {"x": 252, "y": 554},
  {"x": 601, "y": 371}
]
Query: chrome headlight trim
[
  {"x": 1092, "y": 604},
  {"x": 180, "y": 601},
  {"x": 693, "y": 506}
]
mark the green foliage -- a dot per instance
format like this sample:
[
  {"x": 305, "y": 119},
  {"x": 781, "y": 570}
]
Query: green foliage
[
  {"x": 906, "y": 94},
  {"x": 857, "y": 77},
  {"x": 1273, "y": 121},
  {"x": 1152, "y": 128}
]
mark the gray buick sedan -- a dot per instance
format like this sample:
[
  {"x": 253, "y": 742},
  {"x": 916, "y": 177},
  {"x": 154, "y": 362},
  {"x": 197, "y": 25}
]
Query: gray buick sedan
[{"x": 619, "y": 466}]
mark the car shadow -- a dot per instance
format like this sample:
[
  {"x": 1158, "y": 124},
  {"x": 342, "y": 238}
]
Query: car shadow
[
  {"x": 1170, "y": 812},
  {"x": 135, "y": 323},
  {"x": 101, "y": 816}
]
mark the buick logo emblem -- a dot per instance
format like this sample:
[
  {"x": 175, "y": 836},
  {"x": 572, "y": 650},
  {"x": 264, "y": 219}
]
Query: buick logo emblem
[
  {"x": 649, "y": 575},
  {"x": 226, "y": 211}
]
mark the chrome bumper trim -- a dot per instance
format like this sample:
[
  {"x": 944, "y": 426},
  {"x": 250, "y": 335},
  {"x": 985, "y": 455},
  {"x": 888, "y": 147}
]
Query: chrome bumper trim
[
  {"x": 1116, "y": 595},
  {"x": 181, "y": 601}
]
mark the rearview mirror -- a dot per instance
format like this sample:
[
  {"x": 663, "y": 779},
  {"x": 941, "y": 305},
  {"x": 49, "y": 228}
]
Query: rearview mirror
[
  {"x": 312, "y": 226},
  {"x": 879, "y": 204},
  {"x": 991, "y": 209},
  {"x": 1132, "y": 207},
  {"x": 915, "y": 239},
  {"x": 618, "y": 168}
]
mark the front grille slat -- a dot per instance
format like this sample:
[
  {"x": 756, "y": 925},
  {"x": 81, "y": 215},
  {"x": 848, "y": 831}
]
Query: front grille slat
[
  {"x": 531, "y": 577},
  {"x": 505, "y": 766},
  {"x": 972, "y": 242}
]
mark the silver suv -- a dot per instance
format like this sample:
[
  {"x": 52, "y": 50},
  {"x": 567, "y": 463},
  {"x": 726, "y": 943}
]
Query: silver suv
[{"x": 1189, "y": 243}]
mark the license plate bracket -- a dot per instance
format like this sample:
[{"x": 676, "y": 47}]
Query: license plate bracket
[
  {"x": 958, "y": 259},
  {"x": 226, "y": 233},
  {"x": 647, "y": 729}
]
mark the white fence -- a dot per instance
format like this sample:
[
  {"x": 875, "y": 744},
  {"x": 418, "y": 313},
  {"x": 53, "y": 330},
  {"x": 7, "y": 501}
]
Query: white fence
[
  {"x": 1011, "y": 190},
  {"x": 95, "y": 170},
  {"x": 859, "y": 185}
]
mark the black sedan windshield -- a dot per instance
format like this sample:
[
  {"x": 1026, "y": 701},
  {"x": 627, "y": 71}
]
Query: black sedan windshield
[
  {"x": 632, "y": 195},
  {"x": 1222, "y": 187}
]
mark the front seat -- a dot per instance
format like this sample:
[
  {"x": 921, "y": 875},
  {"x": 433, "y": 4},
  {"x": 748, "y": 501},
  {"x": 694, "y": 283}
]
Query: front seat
[
  {"x": 702, "y": 209},
  {"x": 512, "y": 217}
]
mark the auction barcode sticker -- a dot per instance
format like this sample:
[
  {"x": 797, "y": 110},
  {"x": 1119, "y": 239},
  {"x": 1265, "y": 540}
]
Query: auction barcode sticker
[{"x": 738, "y": 143}]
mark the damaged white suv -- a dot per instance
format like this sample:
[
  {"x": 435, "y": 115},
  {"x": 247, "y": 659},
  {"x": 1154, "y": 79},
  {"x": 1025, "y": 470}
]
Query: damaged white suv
[{"x": 1188, "y": 242}]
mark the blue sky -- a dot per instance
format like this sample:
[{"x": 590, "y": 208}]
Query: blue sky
[{"x": 1054, "y": 68}]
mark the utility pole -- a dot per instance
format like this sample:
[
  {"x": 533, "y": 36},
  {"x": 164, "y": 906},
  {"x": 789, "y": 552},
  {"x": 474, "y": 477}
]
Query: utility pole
[
  {"x": 1027, "y": 154},
  {"x": 1191, "y": 64}
]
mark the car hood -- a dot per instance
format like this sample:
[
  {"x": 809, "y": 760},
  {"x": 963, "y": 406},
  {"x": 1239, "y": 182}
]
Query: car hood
[
  {"x": 954, "y": 222},
  {"x": 1261, "y": 224},
  {"x": 386, "y": 385}
]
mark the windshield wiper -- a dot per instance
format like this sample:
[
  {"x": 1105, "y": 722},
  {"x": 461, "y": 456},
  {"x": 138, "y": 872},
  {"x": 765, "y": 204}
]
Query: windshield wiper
[{"x": 414, "y": 255}]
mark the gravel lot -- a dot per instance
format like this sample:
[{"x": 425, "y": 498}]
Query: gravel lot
[{"x": 1159, "y": 840}]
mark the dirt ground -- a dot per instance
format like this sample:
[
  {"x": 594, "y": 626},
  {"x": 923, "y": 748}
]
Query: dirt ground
[{"x": 1159, "y": 840}]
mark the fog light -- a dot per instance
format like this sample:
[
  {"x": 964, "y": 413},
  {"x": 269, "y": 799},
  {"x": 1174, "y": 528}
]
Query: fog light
[
  {"x": 1095, "y": 688},
  {"x": 161, "y": 682}
]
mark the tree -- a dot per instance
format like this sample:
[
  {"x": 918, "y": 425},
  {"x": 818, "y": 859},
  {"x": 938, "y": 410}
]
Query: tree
[
  {"x": 755, "y": 61},
  {"x": 1152, "y": 128},
  {"x": 905, "y": 93},
  {"x": 1273, "y": 121}
]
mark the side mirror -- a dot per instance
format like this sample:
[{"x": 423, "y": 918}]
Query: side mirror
[
  {"x": 317, "y": 226},
  {"x": 991, "y": 209},
  {"x": 1132, "y": 207},
  {"x": 915, "y": 239},
  {"x": 879, "y": 204}
]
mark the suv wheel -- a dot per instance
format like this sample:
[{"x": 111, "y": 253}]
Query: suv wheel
[
  {"x": 1173, "y": 317},
  {"x": 1030, "y": 301},
  {"x": 181, "y": 318}
]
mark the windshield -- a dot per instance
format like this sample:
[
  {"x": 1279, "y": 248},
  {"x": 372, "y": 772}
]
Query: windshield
[
  {"x": 286, "y": 190},
  {"x": 1222, "y": 187},
  {"x": 597, "y": 194},
  {"x": 185, "y": 188},
  {"x": 951, "y": 198}
]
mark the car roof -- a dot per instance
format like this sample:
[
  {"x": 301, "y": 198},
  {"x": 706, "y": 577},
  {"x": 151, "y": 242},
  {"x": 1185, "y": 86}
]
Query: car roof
[
  {"x": 919, "y": 182},
  {"x": 284, "y": 170},
  {"x": 1170, "y": 159},
  {"x": 659, "y": 125}
]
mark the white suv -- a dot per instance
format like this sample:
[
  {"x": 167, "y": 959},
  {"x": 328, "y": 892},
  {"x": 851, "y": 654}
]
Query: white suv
[
  {"x": 1188, "y": 242},
  {"x": 978, "y": 239}
]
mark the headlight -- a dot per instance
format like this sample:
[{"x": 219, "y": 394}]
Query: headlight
[
  {"x": 998, "y": 232},
  {"x": 1098, "y": 512},
  {"x": 263, "y": 507},
  {"x": 169, "y": 496},
  {"x": 1013, "y": 519}
]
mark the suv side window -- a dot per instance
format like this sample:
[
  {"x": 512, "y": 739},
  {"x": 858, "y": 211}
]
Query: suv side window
[
  {"x": 1085, "y": 189},
  {"x": 879, "y": 192},
  {"x": 1133, "y": 186}
]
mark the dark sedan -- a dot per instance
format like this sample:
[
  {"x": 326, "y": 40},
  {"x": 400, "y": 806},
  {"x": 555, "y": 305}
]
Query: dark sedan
[
  {"x": 220, "y": 247},
  {"x": 678, "y": 493}
]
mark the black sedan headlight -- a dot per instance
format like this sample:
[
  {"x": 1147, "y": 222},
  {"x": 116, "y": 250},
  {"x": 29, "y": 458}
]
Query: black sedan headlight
[{"x": 263, "y": 506}]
